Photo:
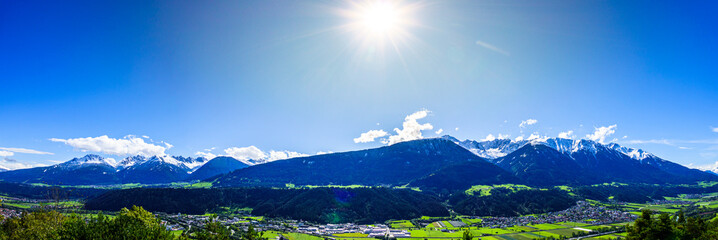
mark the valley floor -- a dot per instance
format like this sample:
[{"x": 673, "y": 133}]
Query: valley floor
[{"x": 592, "y": 219}]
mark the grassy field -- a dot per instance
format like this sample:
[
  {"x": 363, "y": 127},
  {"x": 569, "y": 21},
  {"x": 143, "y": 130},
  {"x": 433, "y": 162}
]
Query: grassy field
[
  {"x": 401, "y": 224},
  {"x": 16, "y": 205},
  {"x": 290, "y": 236},
  {"x": 485, "y": 190},
  {"x": 177, "y": 233},
  {"x": 470, "y": 221},
  {"x": 199, "y": 185},
  {"x": 546, "y": 226},
  {"x": 565, "y": 232}
]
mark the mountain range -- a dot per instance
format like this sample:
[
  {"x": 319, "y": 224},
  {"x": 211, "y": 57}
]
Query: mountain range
[
  {"x": 97, "y": 170},
  {"x": 438, "y": 164}
]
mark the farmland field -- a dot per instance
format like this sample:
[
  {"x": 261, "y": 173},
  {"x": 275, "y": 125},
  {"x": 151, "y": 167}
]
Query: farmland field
[
  {"x": 546, "y": 226},
  {"x": 401, "y": 224}
]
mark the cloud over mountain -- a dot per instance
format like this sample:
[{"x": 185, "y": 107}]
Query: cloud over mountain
[
  {"x": 129, "y": 145},
  {"x": 370, "y": 136},
  {"x": 601, "y": 133},
  {"x": 411, "y": 128},
  {"x": 6, "y": 153},
  {"x": 253, "y": 155},
  {"x": 567, "y": 134}
]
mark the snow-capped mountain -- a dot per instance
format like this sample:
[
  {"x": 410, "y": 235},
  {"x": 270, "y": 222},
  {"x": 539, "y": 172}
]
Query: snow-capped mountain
[
  {"x": 637, "y": 154},
  {"x": 132, "y": 160},
  {"x": 532, "y": 161},
  {"x": 192, "y": 163},
  {"x": 90, "y": 159},
  {"x": 179, "y": 161},
  {"x": 94, "y": 169},
  {"x": 155, "y": 169},
  {"x": 489, "y": 149},
  {"x": 497, "y": 148},
  {"x": 612, "y": 161}
]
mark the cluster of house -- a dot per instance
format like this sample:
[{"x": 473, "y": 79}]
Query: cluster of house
[
  {"x": 184, "y": 221},
  {"x": 8, "y": 213},
  {"x": 379, "y": 230},
  {"x": 581, "y": 212},
  {"x": 376, "y": 230}
]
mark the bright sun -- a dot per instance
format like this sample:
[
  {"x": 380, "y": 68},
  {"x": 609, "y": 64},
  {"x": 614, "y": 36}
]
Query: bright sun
[
  {"x": 380, "y": 27},
  {"x": 380, "y": 18}
]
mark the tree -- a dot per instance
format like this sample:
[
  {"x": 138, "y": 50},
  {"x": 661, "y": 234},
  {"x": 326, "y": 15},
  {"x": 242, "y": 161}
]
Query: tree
[
  {"x": 641, "y": 228},
  {"x": 663, "y": 227},
  {"x": 36, "y": 225},
  {"x": 213, "y": 230},
  {"x": 467, "y": 235},
  {"x": 694, "y": 228},
  {"x": 251, "y": 234}
]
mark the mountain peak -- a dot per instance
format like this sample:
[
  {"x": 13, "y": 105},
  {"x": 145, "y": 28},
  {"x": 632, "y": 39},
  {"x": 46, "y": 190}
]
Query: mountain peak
[
  {"x": 132, "y": 160},
  {"x": 634, "y": 153},
  {"x": 450, "y": 138},
  {"x": 496, "y": 148},
  {"x": 90, "y": 159}
]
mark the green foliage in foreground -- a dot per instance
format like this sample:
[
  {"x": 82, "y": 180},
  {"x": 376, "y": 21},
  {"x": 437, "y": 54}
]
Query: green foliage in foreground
[
  {"x": 129, "y": 224},
  {"x": 664, "y": 227}
]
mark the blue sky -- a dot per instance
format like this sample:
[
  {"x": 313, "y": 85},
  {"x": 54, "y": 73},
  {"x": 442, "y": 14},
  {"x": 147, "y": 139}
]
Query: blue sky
[{"x": 301, "y": 77}]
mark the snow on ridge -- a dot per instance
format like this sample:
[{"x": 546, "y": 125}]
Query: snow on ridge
[
  {"x": 497, "y": 148},
  {"x": 634, "y": 153}
]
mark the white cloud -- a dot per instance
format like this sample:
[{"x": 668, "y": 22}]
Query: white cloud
[
  {"x": 245, "y": 153},
  {"x": 536, "y": 137},
  {"x": 207, "y": 155},
  {"x": 411, "y": 129},
  {"x": 439, "y": 131},
  {"x": 6, "y": 153},
  {"x": 253, "y": 155},
  {"x": 489, "y": 137},
  {"x": 11, "y": 164},
  {"x": 567, "y": 134},
  {"x": 370, "y": 136},
  {"x": 519, "y": 138},
  {"x": 129, "y": 145},
  {"x": 708, "y": 167},
  {"x": 601, "y": 133},
  {"x": 25, "y": 150},
  {"x": 527, "y": 122},
  {"x": 715, "y": 129},
  {"x": 323, "y": 152},
  {"x": 279, "y": 155}
]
